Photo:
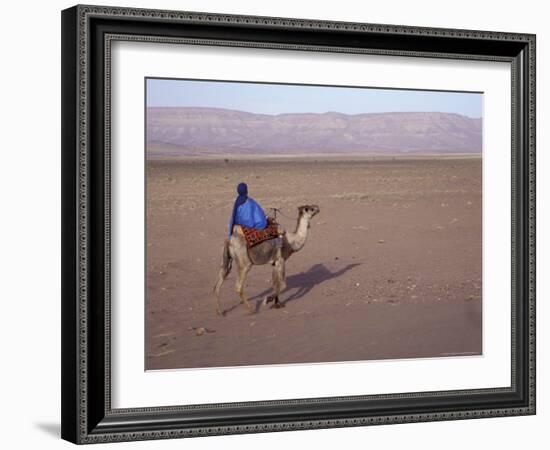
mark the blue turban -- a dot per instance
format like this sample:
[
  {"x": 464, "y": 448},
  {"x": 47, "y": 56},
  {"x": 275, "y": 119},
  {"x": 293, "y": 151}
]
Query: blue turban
[{"x": 242, "y": 190}]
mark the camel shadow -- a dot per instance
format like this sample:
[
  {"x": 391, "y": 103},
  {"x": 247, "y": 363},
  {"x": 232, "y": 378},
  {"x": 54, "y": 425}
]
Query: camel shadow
[{"x": 304, "y": 282}]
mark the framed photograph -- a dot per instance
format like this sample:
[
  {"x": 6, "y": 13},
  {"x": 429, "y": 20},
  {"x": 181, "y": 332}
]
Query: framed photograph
[{"x": 279, "y": 224}]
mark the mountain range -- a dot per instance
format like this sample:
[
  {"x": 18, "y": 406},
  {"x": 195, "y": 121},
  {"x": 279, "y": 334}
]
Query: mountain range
[{"x": 193, "y": 131}]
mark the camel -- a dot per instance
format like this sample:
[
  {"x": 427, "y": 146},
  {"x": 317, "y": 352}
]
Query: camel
[{"x": 267, "y": 252}]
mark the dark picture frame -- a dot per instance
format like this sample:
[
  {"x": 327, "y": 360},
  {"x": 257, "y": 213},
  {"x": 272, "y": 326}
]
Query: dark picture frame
[{"x": 87, "y": 414}]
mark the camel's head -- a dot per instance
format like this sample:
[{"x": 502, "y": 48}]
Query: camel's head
[{"x": 308, "y": 210}]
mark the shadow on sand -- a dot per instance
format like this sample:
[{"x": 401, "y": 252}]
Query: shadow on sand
[{"x": 304, "y": 282}]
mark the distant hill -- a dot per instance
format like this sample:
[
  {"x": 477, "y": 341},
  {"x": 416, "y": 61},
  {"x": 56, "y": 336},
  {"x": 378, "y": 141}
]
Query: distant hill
[{"x": 204, "y": 131}]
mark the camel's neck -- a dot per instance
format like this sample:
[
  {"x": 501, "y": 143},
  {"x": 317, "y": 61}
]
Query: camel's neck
[{"x": 298, "y": 239}]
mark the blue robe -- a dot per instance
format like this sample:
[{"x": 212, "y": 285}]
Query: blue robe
[{"x": 250, "y": 214}]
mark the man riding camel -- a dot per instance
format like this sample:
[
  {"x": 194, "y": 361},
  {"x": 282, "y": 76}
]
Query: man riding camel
[{"x": 259, "y": 241}]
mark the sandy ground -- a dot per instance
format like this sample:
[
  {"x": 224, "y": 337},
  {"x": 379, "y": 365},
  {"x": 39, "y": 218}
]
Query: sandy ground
[{"x": 391, "y": 269}]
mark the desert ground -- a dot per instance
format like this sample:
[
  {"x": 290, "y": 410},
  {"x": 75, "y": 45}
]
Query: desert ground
[{"x": 391, "y": 269}]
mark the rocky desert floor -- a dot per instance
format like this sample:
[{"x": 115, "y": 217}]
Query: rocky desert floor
[{"x": 392, "y": 267}]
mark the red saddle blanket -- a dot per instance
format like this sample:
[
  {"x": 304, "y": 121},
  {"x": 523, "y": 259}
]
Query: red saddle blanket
[{"x": 254, "y": 236}]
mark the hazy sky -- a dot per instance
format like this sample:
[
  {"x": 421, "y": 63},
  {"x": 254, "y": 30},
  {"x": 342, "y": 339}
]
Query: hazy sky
[{"x": 279, "y": 98}]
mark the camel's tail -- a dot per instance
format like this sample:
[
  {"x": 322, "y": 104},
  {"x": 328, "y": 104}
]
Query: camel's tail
[{"x": 225, "y": 267}]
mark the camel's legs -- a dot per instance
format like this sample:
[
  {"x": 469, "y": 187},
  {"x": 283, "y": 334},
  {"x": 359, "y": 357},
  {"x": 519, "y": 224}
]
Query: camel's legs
[
  {"x": 241, "y": 279},
  {"x": 225, "y": 268},
  {"x": 222, "y": 275},
  {"x": 278, "y": 279}
]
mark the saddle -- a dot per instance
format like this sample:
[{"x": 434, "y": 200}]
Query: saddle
[{"x": 254, "y": 236}]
